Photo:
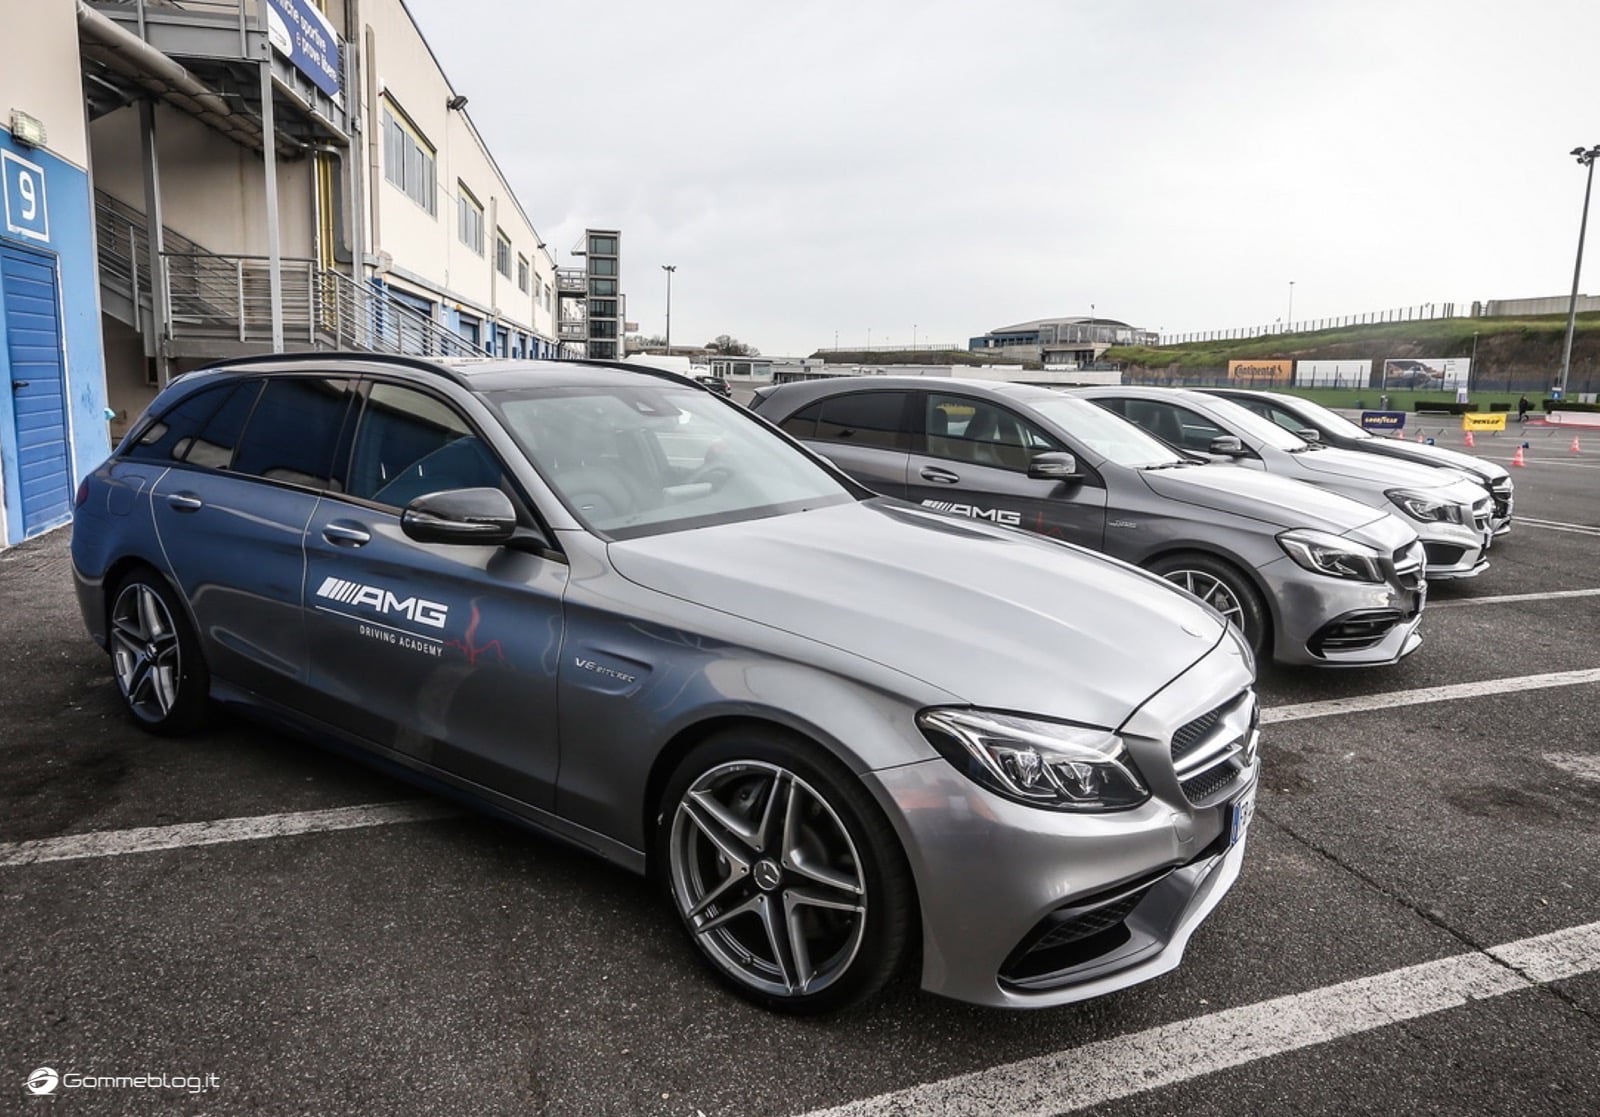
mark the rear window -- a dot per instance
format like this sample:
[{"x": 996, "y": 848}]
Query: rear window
[{"x": 201, "y": 429}]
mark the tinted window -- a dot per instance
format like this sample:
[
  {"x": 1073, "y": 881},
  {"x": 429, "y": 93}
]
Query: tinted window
[
  {"x": 212, "y": 446},
  {"x": 409, "y": 444},
  {"x": 973, "y": 430},
  {"x": 1177, "y": 426},
  {"x": 294, "y": 432},
  {"x": 865, "y": 419},
  {"x": 166, "y": 438},
  {"x": 803, "y": 423}
]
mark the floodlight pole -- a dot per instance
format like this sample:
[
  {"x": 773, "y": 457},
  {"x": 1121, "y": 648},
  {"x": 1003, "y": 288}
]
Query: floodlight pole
[
  {"x": 1586, "y": 158},
  {"x": 669, "y": 269}
]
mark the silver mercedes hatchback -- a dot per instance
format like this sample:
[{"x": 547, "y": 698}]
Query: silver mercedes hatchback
[{"x": 847, "y": 735}]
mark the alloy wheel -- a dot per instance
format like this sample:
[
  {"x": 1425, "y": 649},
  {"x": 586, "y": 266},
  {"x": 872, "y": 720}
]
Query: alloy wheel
[
  {"x": 1213, "y": 591},
  {"x": 768, "y": 878},
  {"x": 145, "y": 652}
]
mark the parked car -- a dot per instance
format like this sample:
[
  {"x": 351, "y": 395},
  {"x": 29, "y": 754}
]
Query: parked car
[
  {"x": 1302, "y": 416},
  {"x": 828, "y": 722},
  {"x": 1308, "y": 576},
  {"x": 1452, "y": 513},
  {"x": 717, "y": 384}
]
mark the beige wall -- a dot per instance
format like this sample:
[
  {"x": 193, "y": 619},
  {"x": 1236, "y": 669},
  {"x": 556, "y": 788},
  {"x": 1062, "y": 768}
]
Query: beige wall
[
  {"x": 404, "y": 69},
  {"x": 42, "y": 46},
  {"x": 212, "y": 190}
]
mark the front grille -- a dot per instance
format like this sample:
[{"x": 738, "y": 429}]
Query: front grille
[
  {"x": 1408, "y": 564},
  {"x": 1444, "y": 554},
  {"x": 1079, "y": 932},
  {"x": 1500, "y": 493},
  {"x": 1354, "y": 631},
  {"x": 1206, "y": 757},
  {"x": 1482, "y": 514}
]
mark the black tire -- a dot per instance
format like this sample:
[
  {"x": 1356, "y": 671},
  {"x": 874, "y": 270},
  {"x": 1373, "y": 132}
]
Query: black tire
[
  {"x": 155, "y": 656},
  {"x": 1225, "y": 588},
  {"x": 838, "y": 832}
]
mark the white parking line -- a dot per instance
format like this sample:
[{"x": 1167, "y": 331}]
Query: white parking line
[
  {"x": 1509, "y": 598},
  {"x": 111, "y": 843},
  {"x": 1578, "y": 764},
  {"x": 1079, "y": 1077},
  {"x": 1336, "y": 706},
  {"x": 1559, "y": 525}
]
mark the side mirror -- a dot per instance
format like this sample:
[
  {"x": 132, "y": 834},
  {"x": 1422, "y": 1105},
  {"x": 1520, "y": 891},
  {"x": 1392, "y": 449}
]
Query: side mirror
[
  {"x": 1053, "y": 465},
  {"x": 1307, "y": 434},
  {"x": 1227, "y": 444},
  {"x": 473, "y": 516}
]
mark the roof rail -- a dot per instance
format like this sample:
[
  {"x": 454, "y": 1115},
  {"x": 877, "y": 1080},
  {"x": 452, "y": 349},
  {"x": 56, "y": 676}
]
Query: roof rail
[{"x": 421, "y": 364}]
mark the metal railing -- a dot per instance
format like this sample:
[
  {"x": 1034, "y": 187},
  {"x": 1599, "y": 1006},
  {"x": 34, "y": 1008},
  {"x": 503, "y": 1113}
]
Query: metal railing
[
  {"x": 353, "y": 315},
  {"x": 1421, "y": 313}
]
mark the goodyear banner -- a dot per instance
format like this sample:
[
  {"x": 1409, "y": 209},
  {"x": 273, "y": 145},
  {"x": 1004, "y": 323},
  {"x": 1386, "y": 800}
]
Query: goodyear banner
[
  {"x": 1483, "y": 421},
  {"x": 1383, "y": 421},
  {"x": 1260, "y": 373}
]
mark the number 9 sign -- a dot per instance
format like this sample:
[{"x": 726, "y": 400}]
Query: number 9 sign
[{"x": 26, "y": 213}]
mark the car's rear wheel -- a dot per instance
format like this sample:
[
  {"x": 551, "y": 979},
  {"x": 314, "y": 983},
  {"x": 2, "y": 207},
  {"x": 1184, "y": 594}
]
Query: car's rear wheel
[
  {"x": 156, "y": 657},
  {"x": 1223, "y": 587},
  {"x": 786, "y": 876}
]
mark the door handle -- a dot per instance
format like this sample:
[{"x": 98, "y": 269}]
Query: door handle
[
  {"x": 939, "y": 476},
  {"x": 185, "y": 502},
  {"x": 18, "y": 385},
  {"x": 345, "y": 535}
]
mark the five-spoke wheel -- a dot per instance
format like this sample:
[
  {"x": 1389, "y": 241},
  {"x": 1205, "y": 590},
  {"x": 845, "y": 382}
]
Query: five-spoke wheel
[
  {"x": 784, "y": 874},
  {"x": 155, "y": 657}
]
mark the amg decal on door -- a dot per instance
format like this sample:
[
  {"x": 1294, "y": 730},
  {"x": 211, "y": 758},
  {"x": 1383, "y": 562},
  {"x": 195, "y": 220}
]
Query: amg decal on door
[
  {"x": 430, "y": 613},
  {"x": 993, "y": 515}
]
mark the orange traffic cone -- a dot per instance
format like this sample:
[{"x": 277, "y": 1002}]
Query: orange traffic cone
[
  {"x": 1575, "y": 448},
  {"x": 1420, "y": 436},
  {"x": 1468, "y": 440},
  {"x": 1516, "y": 459}
]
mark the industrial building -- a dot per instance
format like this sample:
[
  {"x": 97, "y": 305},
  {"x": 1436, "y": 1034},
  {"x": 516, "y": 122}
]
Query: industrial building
[{"x": 187, "y": 180}]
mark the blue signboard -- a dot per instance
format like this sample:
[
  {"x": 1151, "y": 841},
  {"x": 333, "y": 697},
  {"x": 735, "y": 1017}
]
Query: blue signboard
[
  {"x": 303, "y": 35},
  {"x": 23, "y": 185},
  {"x": 1383, "y": 420}
]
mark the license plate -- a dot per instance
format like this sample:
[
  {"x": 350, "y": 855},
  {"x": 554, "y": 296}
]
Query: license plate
[{"x": 1240, "y": 812}]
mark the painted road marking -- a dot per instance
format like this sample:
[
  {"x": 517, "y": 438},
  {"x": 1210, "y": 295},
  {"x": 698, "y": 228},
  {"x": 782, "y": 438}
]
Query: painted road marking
[
  {"x": 1509, "y": 598},
  {"x": 1079, "y": 1077},
  {"x": 1559, "y": 525},
  {"x": 1579, "y": 764},
  {"x": 111, "y": 843},
  {"x": 1336, "y": 706}
]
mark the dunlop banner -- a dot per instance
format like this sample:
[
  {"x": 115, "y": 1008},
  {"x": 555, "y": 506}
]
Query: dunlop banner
[
  {"x": 1261, "y": 372},
  {"x": 1483, "y": 421}
]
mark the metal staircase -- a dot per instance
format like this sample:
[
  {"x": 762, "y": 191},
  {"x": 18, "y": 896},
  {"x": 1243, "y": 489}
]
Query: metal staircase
[{"x": 219, "y": 305}]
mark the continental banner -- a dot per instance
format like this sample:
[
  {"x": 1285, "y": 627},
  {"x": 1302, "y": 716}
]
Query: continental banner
[
  {"x": 1483, "y": 421},
  {"x": 1259, "y": 373}
]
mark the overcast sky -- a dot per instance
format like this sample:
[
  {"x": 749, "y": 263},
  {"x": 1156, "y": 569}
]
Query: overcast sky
[{"x": 884, "y": 165}]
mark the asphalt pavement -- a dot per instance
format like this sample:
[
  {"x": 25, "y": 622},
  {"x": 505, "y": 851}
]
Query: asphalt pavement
[{"x": 1412, "y": 841}]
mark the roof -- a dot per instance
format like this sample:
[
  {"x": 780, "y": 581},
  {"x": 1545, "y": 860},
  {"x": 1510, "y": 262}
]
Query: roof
[
  {"x": 1036, "y": 323},
  {"x": 477, "y": 373}
]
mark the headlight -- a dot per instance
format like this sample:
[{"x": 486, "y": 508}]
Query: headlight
[
  {"x": 1322, "y": 553},
  {"x": 1428, "y": 509},
  {"x": 1047, "y": 764}
]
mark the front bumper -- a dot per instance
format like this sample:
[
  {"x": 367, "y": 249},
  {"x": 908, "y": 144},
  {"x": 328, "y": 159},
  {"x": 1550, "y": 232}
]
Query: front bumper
[
  {"x": 1326, "y": 621},
  {"x": 1455, "y": 550},
  {"x": 994, "y": 877}
]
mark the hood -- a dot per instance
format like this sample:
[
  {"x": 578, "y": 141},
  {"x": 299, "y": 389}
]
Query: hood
[
  {"x": 1423, "y": 454},
  {"x": 1387, "y": 473},
  {"x": 998, "y": 618},
  {"x": 1276, "y": 501}
]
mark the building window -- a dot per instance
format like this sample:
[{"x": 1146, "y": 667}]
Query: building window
[
  {"x": 602, "y": 266},
  {"x": 408, "y": 160},
  {"x": 470, "y": 224},
  {"x": 603, "y": 327},
  {"x": 522, "y": 273},
  {"x": 502, "y": 253},
  {"x": 602, "y": 246},
  {"x": 602, "y": 286},
  {"x": 602, "y": 308}
]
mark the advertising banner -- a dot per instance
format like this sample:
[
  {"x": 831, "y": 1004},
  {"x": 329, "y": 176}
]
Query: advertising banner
[
  {"x": 1483, "y": 421},
  {"x": 1261, "y": 373},
  {"x": 303, "y": 35},
  {"x": 1383, "y": 422},
  {"x": 1333, "y": 374},
  {"x": 1437, "y": 374}
]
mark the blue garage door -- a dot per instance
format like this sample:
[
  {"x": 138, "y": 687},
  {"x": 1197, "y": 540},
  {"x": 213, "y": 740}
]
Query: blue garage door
[{"x": 33, "y": 344}]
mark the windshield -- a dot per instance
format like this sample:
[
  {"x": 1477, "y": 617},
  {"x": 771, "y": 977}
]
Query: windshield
[
  {"x": 1334, "y": 422},
  {"x": 638, "y": 460},
  {"x": 1105, "y": 433},
  {"x": 1248, "y": 425}
]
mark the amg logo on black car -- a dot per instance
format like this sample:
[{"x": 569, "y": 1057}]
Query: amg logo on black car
[
  {"x": 994, "y": 515},
  {"x": 430, "y": 613}
]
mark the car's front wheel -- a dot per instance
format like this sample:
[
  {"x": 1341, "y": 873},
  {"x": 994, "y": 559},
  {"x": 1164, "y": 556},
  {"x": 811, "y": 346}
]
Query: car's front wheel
[
  {"x": 1223, "y": 587},
  {"x": 156, "y": 656},
  {"x": 785, "y": 874}
]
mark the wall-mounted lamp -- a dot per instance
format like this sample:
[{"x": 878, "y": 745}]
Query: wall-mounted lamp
[
  {"x": 456, "y": 103},
  {"x": 27, "y": 130}
]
